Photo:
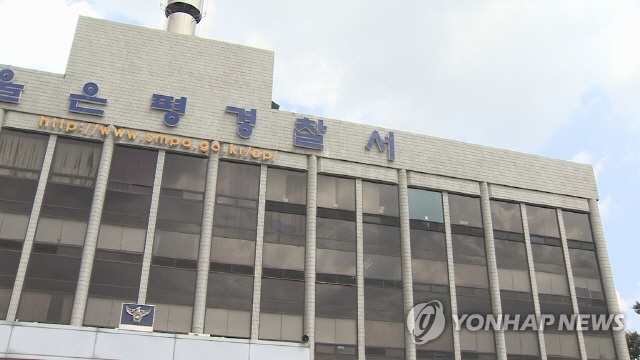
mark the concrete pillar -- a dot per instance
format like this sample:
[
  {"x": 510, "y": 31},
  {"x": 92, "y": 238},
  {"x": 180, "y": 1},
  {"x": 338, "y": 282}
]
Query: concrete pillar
[
  {"x": 360, "y": 270},
  {"x": 31, "y": 230},
  {"x": 93, "y": 229},
  {"x": 492, "y": 268},
  {"x": 452, "y": 277},
  {"x": 257, "y": 270},
  {"x": 151, "y": 230},
  {"x": 572, "y": 289},
  {"x": 405, "y": 244},
  {"x": 310, "y": 258},
  {"x": 204, "y": 255},
  {"x": 606, "y": 274},
  {"x": 532, "y": 277}
]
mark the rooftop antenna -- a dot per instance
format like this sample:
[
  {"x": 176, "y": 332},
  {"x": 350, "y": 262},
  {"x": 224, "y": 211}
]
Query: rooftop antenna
[{"x": 183, "y": 16}]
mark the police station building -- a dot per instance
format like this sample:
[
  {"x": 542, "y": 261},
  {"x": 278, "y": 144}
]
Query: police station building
[{"x": 140, "y": 177}]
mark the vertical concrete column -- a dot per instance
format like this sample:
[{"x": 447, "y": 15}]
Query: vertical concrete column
[
  {"x": 452, "y": 277},
  {"x": 405, "y": 246},
  {"x": 492, "y": 268},
  {"x": 204, "y": 255},
  {"x": 310, "y": 259},
  {"x": 1, "y": 118},
  {"x": 572, "y": 289},
  {"x": 532, "y": 277},
  {"x": 151, "y": 230},
  {"x": 360, "y": 270},
  {"x": 606, "y": 274},
  {"x": 257, "y": 270},
  {"x": 31, "y": 230},
  {"x": 93, "y": 229}
]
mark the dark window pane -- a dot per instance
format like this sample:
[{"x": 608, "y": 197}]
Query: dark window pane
[
  {"x": 238, "y": 180},
  {"x": 21, "y": 154},
  {"x": 49, "y": 288},
  {"x": 282, "y": 296},
  {"x": 465, "y": 210},
  {"x": 425, "y": 205},
  {"x": 543, "y": 221},
  {"x": 171, "y": 286},
  {"x": 548, "y": 258},
  {"x": 506, "y": 216},
  {"x": 235, "y": 222},
  {"x": 184, "y": 172},
  {"x": 384, "y": 304},
  {"x": 230, "y": 291},
  {"x": 336, "y": 234},
  {"x": 75, "y": 162},
  {"x": 380, "y": 199},
  {"x": 284, "y": 228},
  {"x": 336, "y": 193},
  {"x": 115, "y": 279},
  {"x": 584, "y": 263},
  {"x": 382, "y": 252},
  {"x": 469, "y": 249},
  {"x": 286, "y": 186},
  {"x": 511, "y": 254},
  {"x": 133, "y": 167},
  {"x": 9, "y": 260},
  {"x": 577, "y": 226},
  {"x": 336, "y": 301},
  {"x": 429, "y": 245}
]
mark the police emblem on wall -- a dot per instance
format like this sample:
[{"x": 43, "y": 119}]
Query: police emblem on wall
[{"x": 137, "y": 317}]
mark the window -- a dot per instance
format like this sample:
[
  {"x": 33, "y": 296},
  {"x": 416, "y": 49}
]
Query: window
[
  {"x": 21, "y": 158},
  {"x": 587, "y": 282},
  {"x": 465, "y": 211},
  {"x": 382, "y": 252},
  {"x": 287, "y": 186},
  {"x": 599, "y": 346},
  {"x": 336, "y": 247},
  {"x": 281, "y": 309},
  {"x": 284, "y": 241},
  {"x": 543, "y": 221},
  {"x": 380, "y": 199},
  {"x": 551, "y": 277},
  {"x": 477, "y": 344},
  {"x": 229, "y": 304},
  {"x": 470, "y": 270},
  {"x": 54, "y": 265},
  {"x": 507, "y": 219},
  {"x": 384, "y": 317},
  {"x": 230, "y": 288},
  {"x": 336, "y": 314},
  {"x": 282, "y": 299},
  {"x": 522, "y": 343},
  {"x": 443, "y": 344},
  {"x": 115, "y": 278},
  {"x": 577, "y": 226},
  {"x": 564, "y": 344},
  {"x": 176, "y": 244},
  {"x": 336, "y": 193},
  {"x": 425, "y": 205},
  {"x": 513, "y": 276}
]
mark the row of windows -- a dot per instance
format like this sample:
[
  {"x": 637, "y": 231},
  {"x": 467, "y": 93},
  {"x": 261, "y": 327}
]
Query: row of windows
[{"x": 50, "y": 286}]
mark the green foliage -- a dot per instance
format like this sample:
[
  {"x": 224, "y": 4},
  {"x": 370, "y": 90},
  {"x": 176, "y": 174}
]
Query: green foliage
[
  {"x": 633, "y": 338},
  {"x": 633, "y": 342}
]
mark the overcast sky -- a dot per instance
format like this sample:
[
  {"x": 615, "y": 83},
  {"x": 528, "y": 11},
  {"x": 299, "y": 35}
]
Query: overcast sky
[{"x": 553, "y": 78}]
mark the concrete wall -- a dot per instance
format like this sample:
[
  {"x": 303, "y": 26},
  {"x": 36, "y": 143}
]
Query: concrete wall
[
  {"x": 130, "y": 63},
  {"x": 44, "y": 341}
]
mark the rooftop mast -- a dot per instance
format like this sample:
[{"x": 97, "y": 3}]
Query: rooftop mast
[{"x": 183, "y": 16}]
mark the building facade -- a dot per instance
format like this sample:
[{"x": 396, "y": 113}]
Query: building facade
[{"x": 157, "y": 170}]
